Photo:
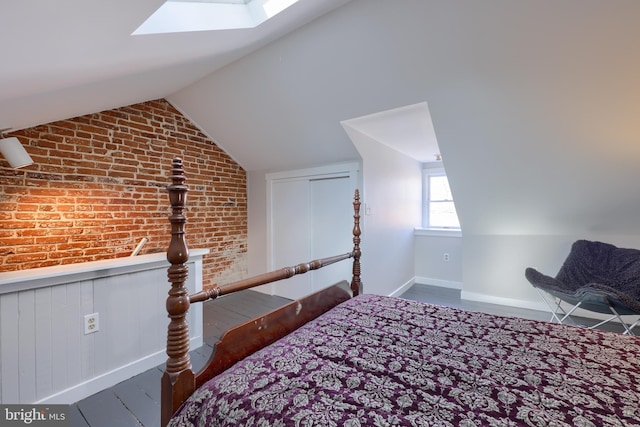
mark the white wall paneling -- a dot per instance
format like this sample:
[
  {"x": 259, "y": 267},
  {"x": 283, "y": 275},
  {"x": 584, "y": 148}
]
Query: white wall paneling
[{"x": 45, "y": 357}]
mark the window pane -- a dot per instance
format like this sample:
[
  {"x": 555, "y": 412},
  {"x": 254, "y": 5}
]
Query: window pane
[
  {"x": 439, "y": 210},
  {"x": 443, "y": 214},
  {"x": 439, "y": 188}
]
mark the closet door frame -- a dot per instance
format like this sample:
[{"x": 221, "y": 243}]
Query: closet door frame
[{"x": 350, "y": 170}]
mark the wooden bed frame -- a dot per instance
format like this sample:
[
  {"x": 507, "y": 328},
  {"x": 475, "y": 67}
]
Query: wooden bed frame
[{"x": 179, "y": 381}]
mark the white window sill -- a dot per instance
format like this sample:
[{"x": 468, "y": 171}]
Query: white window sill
[{"x": 437, "y": 232}]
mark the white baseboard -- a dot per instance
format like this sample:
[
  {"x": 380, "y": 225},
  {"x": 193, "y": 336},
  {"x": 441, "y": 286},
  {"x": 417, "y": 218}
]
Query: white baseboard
[
  {"x": 426, "y": 281},
  {"x": 539, "y": 306},
  {"x": 510, "y": 302},
  {"x": 402, "y": 289},
  {"x": 438, "y": 282},
  {"x": 111, "y": 378},
  {"x": 473, "y": 296},
  {"x": 490, "y": 299}
]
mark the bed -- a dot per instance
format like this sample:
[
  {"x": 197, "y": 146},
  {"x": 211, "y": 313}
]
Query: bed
[{"x": 343, "y": 358}]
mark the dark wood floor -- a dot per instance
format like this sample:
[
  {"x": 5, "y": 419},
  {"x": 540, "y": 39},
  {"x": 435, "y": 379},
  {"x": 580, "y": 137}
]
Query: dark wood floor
[
  {"x": 135, "y": 402},
  {"x": 451, "y": 298}
]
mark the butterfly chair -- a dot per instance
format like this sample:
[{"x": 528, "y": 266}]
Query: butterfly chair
[{"x": 597, "y": 277}]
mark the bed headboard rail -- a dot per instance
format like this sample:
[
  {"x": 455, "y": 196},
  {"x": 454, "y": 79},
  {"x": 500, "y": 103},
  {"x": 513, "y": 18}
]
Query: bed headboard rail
[{"x": 179, "y": 380}]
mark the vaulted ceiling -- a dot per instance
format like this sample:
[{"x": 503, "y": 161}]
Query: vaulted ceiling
[
  {"x": 534, "y": 103},
  {"x": 66, "y": 58}
]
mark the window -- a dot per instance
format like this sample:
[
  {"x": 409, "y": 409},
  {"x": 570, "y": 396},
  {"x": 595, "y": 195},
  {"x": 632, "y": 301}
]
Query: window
[{"x": 439, "y": 210}]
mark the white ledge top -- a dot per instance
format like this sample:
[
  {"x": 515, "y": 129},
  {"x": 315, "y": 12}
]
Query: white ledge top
[{"x": 61, "y": 274}]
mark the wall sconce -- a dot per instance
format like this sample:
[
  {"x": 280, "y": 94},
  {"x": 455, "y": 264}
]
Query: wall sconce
[{"x": 14, "y": 152}]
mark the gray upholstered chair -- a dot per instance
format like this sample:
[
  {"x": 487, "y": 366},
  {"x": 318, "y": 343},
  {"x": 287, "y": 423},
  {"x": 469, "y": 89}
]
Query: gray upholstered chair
[{"x": 597, "y": 277}]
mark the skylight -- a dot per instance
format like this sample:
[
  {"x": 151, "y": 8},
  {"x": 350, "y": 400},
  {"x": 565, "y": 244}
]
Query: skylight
[{"x": 207, "y": 15}]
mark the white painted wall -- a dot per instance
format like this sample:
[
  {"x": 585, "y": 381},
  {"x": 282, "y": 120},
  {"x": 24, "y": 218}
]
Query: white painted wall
[
  {"x": 257, "y": 225},
  {"x": 391, "y": 189},
  {"x": 534, "y": 105},
  {"x": 495, "y": 272},
  {"x": 430, "y": 266},
  {"x": 392, "y": 209}
]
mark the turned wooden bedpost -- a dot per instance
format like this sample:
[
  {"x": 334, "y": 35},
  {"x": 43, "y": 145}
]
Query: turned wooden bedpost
[
  {"x": 356, "y": 284},
  {"x": 178, "y": 381}
]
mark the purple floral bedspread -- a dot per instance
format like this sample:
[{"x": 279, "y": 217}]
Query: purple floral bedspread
[{"x": 382, "y": 361}]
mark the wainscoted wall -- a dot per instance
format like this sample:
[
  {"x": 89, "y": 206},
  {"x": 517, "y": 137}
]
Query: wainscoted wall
[
  {"x": 97, "y": 187},
  {"x": 45, "y": 354}
]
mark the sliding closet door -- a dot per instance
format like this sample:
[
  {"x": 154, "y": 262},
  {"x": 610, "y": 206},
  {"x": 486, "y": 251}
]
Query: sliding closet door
[
  {"x": 290, "y": 233},
  {"x": 310, "y": 217},
  {"x": 331, "y": 213}
]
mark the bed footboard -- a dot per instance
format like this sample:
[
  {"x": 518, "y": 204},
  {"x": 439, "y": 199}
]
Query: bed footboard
[
  {"x": 253, "y": 335},
  {"x": 179, "y": 381}
]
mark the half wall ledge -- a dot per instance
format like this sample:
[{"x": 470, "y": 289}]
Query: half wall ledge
[
  {"x": 48, "y": 354},
  {"x": 16, "y": 281}
]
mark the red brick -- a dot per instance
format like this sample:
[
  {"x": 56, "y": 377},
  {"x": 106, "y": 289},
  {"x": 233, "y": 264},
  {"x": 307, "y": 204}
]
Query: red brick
[{"x": 107, "y": 174}]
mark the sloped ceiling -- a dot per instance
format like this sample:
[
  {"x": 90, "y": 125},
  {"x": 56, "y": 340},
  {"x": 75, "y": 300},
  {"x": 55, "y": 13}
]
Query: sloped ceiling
[
  {"x": 66, "y": 58},
  {"x": 408, "y": 130},
  {"x": 534, "y": 103}
]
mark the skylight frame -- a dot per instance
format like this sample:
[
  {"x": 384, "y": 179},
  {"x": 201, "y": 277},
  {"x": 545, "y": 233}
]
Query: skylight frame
[{"x": 209, "y": 15}]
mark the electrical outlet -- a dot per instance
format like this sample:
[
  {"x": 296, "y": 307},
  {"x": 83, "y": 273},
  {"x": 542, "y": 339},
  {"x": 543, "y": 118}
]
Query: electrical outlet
[
  {"x": 91, "y": 323},
  {"x": 445, "y": 256}
]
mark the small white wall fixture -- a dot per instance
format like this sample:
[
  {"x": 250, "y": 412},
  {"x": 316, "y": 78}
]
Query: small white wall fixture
[{"x": 14, "y": 152}]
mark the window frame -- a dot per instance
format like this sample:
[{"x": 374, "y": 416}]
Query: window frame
[{"x": 427, "y": 172}]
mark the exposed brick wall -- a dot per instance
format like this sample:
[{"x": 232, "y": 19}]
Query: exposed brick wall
[{"x": 97, "y": 187}]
